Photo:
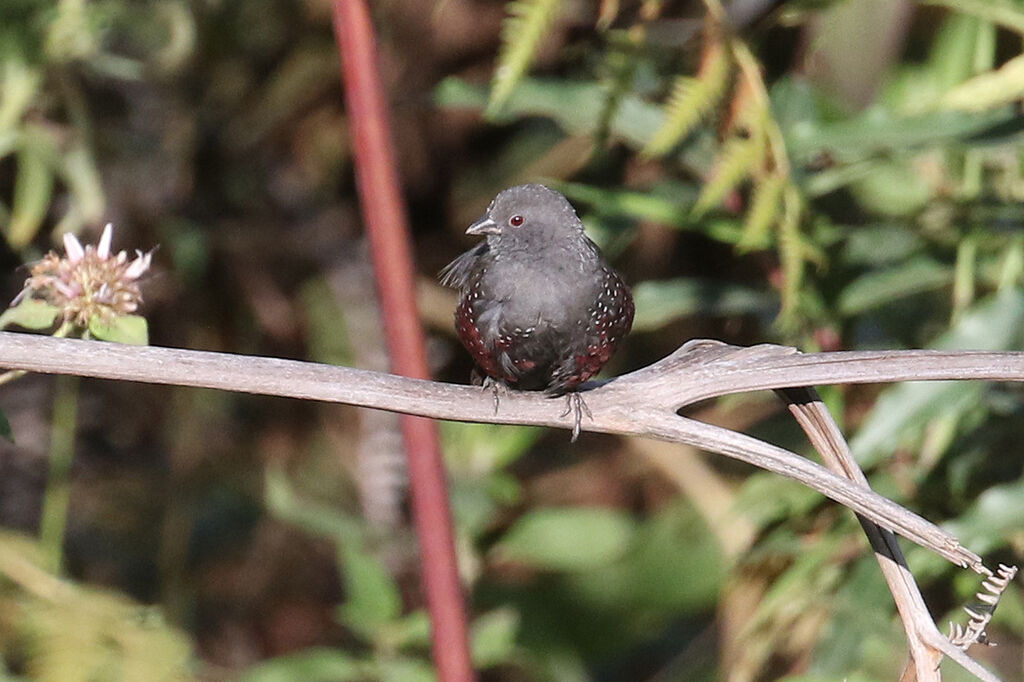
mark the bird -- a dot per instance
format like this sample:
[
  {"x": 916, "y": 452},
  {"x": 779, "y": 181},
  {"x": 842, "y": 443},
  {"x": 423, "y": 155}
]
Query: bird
[{"x": 539, "y": 308}]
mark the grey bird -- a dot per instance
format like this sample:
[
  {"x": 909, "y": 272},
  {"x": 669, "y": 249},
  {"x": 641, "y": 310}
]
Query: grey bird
[{"x": 539, "y": 307}]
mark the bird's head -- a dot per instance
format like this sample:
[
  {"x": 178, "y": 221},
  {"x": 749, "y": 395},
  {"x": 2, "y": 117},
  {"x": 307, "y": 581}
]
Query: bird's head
[{"x": 528, "y": 214}]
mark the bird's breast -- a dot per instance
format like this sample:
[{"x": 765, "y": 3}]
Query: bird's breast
[{"x": 535, "y": 294}]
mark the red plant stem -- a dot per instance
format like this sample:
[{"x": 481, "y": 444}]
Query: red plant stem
[{"x": 388, "y": 230}]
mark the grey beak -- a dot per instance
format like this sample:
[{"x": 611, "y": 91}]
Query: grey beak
[{"x": 484, "y": 226}]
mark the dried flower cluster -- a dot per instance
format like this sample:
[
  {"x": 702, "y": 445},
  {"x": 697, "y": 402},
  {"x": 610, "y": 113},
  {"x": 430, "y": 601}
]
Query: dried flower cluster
[
  {"x": 981, "y": 613},
  {"x": 88, "y": 282}
]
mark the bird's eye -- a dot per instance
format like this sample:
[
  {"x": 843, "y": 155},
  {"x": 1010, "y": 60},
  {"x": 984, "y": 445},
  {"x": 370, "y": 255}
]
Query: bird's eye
[{"x": 515, "y": 221}]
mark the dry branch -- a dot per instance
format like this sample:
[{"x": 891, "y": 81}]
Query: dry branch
[
  {"x": 927, "y": 644},
  {"x": 642, "y": 403}
]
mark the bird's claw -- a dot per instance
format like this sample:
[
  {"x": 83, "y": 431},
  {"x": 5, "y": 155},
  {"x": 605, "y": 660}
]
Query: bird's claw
[
  {"x": 575, "y": 404},
  {"x": 492, "y": 384}
]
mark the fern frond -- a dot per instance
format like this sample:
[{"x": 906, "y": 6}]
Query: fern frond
[
  {"x": 522, "y": 31},
  {"x": 763, "y": 212},
  {"x": 739, "y": 158},
  {"x": 691, "y": 100}
]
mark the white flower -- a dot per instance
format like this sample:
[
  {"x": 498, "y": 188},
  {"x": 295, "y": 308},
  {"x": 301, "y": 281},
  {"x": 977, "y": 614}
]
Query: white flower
[{"x": 88, "y": 282}]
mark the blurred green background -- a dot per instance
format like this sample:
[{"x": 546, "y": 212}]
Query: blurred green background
[{"x": 833, "y": 175}]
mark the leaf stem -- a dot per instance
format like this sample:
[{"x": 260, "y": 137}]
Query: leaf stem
[{"x": 58, "y": 484}]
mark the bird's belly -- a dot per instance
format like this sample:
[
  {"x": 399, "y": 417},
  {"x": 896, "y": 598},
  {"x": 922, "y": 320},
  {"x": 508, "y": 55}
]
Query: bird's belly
[{"x": 539, "y": 331}]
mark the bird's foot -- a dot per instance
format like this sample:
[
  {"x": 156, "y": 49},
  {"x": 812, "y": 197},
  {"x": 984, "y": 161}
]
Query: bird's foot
[
  {"x": 495, "y": 387},
  {"x": 575, "y": 404}
]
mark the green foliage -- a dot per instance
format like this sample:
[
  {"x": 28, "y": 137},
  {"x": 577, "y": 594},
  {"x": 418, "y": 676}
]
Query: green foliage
[
  {"x": 765, "y": 208},
  {"x": 660, "y": 302},
  {"x": 989, "y": 90},
  {"x": 131, "y": 329},
  {"x": 313, "y": 664},
  {"x": 30, "y": 313},
  {"x": 575, "y": 106},
  {"x": 691, "y": 99},
  {"x": 550, "y": 538},
  {"x": 72, "y": 633},
  {"x": 992, "y": 324},
  {"x": 523, "y": 30},
  {"x": 46, "y": 128},
  {"x": 33, "y": 187},
  {"x": 880, "y": 287},
  {"x": 738, "y": 159},
  {"x": 1006, "y": 13},
  {"x": 373, "y": 598},
  {"x": 372, "y": 608}
]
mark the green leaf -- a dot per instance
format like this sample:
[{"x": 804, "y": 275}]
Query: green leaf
[
  {"x": 319, "y": 664},
  {"x": 130, "y": 329},
  {"x": 668, "y": 205},
  {"x": 30, "y": 313},
  {"x": 567, "y": 539},
  {"x": 313, "y": 517},
  {"x": 660, "y": 302},
  {"x": 765, "y": 499},
  {"x": 403, "y": 670},
  {"x": 794, "y": 251},
  {"x": 1006, "y": 13},
  {"x": 75, "y": 633},
  {"x": 989, "y": 90},
  {"x": 409, "y": 631},
  {"x": 674, "y": 565},
  {"x": 18, "y": 86},
  {"x": 476, "y": 449},
  {"x": 951, "y": 59},
  {"x": 878, "y": 129},
  {"x": 521, "y": 34},
  {"x": 83, "y": 179},
  {"x": 33, "y": 187},
  {"x": 493, "y": 637},
  {"x": 873, "y": 245},
  {"x": 576, "y": 106},
  {"x": 880, "y": 287},
  {"x": 371, "y": 596},
  {"x": 903, "y": 410},
  {"x": 893, "y": 189}
]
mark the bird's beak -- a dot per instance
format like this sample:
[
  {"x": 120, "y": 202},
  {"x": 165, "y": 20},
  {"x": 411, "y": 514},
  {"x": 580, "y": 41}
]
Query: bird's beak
[{"x": 484, "y": 226}]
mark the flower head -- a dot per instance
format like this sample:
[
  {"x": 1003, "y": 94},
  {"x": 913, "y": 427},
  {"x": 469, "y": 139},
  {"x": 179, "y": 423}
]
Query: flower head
[{"x": 88, "y": 282}]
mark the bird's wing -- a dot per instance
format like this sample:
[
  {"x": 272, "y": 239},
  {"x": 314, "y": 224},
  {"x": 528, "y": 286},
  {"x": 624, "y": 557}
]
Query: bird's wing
[
  {"x": 456, "y": 274},
  {"x": 606, "y": 326}
]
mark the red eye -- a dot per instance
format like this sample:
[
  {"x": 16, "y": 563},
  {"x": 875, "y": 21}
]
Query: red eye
[{"x": 515, "y": 221}]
